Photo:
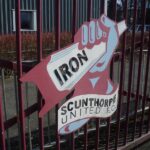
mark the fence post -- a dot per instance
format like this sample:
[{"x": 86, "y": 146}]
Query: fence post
[
  {"x": 39, "y": 55},
  {"x": 19, "y": 74},
  {"x": 57, "y": 47},
  {"x": 131, "y": 66}
]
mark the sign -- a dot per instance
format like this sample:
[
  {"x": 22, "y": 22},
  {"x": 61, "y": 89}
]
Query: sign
[
  {"x": 83, "y": 66},
  {"x": 74, "y": 112}
]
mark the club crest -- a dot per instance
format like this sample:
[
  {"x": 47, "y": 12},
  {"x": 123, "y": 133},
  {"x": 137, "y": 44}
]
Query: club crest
[{"x": 83, "y": 66}]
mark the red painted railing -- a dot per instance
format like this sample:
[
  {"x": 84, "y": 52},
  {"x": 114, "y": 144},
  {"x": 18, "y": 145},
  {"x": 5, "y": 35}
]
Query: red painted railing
[{"x": 119, "y": 125}]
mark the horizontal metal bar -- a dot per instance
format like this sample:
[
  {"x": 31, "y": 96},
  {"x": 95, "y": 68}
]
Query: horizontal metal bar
[{"x": 9, "y": 123}]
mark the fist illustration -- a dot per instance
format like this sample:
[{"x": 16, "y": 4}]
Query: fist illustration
[
  {"x": 100, "y": 30},
  {"x": 115, "y": 30},
  {"x": 93, "y": 33}
]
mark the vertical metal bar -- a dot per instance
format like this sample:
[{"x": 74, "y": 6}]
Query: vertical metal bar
[
  {"x": 121, "y": 76},
  {"x": 102, "y": 9},
  {"x": 39, "y": 29},
  {"x": 86, "y": 5},
  {"x": 73, "y": 33},
  {"x": 145, "y": 88},
  {"x": 39, "y": 55},
  {"x": 131, "y": 73},
  {"x": 2, "y": 132},
  {"x": 97, "y": 9},
  {"x": 48, "y": 120},
  {"x": 57, "y": 24},
  {"x": 53, "y": 27},
  {"x": 10, "y": 13},
  {"x": 102, "y": 6},
  {"x": 57, "y": 46},
  {"x": 97, "y": 133},
  {"x": 45, "y": 21},
  {"x": 6, "y": 16},
  {"x": 108, "y": 133},
  {"x": 83, "y": 11},
  {"x": 4, "y": 104},
  {"x": 89, "y": 10},
  {"x": 78, "y": 14},
  {"x": 141, "y": 52},
  {"x": 85, "y": 137},
  {"x": 49, "y": 16},
  {"x": 64, "y": 15},
  {"x": 133, "y": 77},
  {"x": 69, "y": 12},
  {"x": 74, "y": 19},
  {"x": 19, "y": 72},
  {"x": 57, "y": 135},
  {"x": 89, "y": 14},
  {"x": 17, "y": 104},
  {"x": 94, "y": 9},
  {"x": 147, "y": 71},
  {"x": 114, "y": 14},
  {"x": 28, "y": 118}
]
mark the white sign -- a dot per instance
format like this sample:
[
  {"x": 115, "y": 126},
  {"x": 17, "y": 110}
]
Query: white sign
[
  {"x": 87, "y": 106},
  {"x": 67, "y": 67}
]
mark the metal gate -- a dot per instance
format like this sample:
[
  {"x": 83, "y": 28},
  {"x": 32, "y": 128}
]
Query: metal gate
[{"x": 20, "y": 127}]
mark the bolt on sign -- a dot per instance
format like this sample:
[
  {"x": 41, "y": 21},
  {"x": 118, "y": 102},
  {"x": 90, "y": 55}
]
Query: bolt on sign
[{"x": 83, "y": 66}]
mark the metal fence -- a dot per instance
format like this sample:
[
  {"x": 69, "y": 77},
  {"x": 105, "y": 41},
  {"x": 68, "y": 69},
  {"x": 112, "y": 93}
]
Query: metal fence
[{"x": 20, "y": 126}]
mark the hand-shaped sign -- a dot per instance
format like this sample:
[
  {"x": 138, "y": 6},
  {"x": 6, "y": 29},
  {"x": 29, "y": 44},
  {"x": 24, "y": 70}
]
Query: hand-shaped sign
[{"x": 83, "y": 66}]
